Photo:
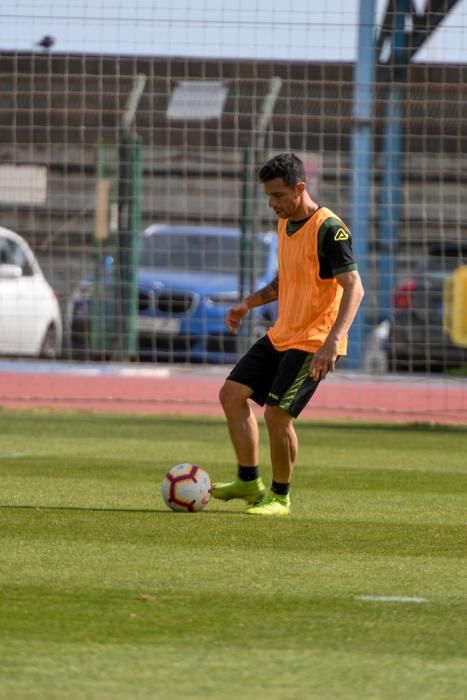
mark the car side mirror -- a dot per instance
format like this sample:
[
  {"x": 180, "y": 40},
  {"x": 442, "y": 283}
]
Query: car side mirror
[{"x": 10, "y": 272}]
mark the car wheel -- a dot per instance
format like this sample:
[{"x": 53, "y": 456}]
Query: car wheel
[
  {"x": 50, "y": 345},
  {"x": 398, "y": 365}
]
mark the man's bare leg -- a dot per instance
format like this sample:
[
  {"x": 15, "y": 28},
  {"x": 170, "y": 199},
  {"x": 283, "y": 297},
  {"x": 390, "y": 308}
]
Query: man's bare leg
[
  {"x": 244, "y": 434},
  {"x": 283, "y": 443},
  {"x": 284, "y": 446},
  {"x": 241, "y": 421}
]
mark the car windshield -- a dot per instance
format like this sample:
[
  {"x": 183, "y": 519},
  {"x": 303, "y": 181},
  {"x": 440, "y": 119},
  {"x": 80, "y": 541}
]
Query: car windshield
[{"x": 200, "y": 252}]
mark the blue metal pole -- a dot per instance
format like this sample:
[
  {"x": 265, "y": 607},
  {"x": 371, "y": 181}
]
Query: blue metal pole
[
  {"x": 392, "y": 163},
  {"x": 390, "y": 202},
  {"x": 362, "y": 159}
]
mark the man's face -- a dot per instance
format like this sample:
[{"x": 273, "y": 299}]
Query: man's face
[{"x": 284, "y": 200}]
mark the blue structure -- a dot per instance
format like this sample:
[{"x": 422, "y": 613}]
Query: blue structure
[
  {"x": 392, "y": 160},
  {"x": 403, "y": 31},
  {"x": 362, "y": 169}
]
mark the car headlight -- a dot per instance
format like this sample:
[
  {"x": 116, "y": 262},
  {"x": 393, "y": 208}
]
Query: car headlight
[{"x": 222, "y": 298}]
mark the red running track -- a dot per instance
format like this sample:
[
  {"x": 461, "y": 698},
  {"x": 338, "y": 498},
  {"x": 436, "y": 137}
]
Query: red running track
[{"x": 185, "y": 393}]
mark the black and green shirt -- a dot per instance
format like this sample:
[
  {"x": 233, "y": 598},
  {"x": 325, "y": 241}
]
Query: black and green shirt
[{"x": 334, "y": 246}]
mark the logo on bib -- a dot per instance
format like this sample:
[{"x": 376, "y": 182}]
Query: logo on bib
[{"x": 341, "y": 235}]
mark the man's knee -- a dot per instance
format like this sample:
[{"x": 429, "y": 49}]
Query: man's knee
[
  {"x": 233, "y": 394},
  {"x": 277, "y": 417}
]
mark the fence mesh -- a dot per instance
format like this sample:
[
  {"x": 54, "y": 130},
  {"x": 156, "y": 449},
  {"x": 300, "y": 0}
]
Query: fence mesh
[{"x": 221, "y": 89}]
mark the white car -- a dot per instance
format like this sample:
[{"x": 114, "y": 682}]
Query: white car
[{"x": 30, "y": 318}]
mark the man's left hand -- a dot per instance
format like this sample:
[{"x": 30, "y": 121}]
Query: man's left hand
[{"x": 324, "y": 361}]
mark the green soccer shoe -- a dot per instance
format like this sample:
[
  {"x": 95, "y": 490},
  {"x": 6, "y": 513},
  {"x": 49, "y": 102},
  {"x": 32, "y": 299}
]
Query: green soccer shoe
[
  {"x": 249, "y": 491},
  {"x": 272, "y": 504}
]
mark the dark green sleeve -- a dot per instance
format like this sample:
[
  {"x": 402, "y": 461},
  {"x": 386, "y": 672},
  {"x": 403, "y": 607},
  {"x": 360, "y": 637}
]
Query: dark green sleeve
[{"x": 335, "y": 248}]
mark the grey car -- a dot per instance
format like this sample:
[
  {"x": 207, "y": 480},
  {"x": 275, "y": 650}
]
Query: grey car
[{"x": 416, "y": 338}]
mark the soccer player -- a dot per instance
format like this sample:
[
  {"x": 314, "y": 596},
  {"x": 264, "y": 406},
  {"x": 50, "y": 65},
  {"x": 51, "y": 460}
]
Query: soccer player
[{"x": 319, "y": 291}]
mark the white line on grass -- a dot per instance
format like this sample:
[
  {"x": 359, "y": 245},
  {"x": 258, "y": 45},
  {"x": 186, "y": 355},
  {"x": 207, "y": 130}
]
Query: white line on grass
[
  {"x": 9, "y": 455},
  {"x": 391, "y": 598}
]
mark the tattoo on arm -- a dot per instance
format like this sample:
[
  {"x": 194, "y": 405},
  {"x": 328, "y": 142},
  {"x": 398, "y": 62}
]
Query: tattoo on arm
[
  {"x": 267, "y": 294},
  {"x": 271, "y": 291}
]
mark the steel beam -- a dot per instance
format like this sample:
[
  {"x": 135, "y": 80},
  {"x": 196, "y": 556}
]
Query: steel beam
[{"x": 422, "y": 25}]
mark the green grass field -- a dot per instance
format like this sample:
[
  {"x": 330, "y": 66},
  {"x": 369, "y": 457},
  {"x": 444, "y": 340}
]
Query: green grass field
[{"x": 107, "y": 594}]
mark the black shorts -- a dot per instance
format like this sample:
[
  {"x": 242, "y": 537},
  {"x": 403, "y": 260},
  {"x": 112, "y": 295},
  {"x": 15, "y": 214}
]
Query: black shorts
[{"x": 276, "y": 378}]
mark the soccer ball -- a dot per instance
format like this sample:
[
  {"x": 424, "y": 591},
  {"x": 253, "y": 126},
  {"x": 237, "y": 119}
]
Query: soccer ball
[{"x": 186, "y": 488}]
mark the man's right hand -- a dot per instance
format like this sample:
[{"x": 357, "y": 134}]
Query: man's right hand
[{"x": 234, "y": 316}]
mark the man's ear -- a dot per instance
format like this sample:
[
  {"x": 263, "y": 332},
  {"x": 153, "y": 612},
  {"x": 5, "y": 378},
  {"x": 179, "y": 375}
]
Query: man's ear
[{"x": 300, "y": 187}]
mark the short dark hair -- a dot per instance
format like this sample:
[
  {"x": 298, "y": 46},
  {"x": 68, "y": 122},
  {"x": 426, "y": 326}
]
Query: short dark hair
[{"x": 288, "y": 166}]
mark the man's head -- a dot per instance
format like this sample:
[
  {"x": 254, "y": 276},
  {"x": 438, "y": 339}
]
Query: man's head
[
  {"x": 286, "y": 166},
  {"x": 283, "y": 177}
]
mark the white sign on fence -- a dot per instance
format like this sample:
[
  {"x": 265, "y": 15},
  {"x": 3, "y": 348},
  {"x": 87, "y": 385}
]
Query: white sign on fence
[
  {"x": 23, "y": 184},
  {"x": 197, "y": 100}
]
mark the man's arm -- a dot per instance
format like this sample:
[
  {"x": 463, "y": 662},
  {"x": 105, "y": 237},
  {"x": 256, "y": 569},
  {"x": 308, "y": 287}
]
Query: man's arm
[
  {"x": 324, "y": 359},
  {"x": 265, "y": 295}
]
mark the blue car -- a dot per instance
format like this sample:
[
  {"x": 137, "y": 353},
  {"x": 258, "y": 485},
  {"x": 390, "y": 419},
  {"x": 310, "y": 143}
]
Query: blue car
[{"x": 187, "y": 279}]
